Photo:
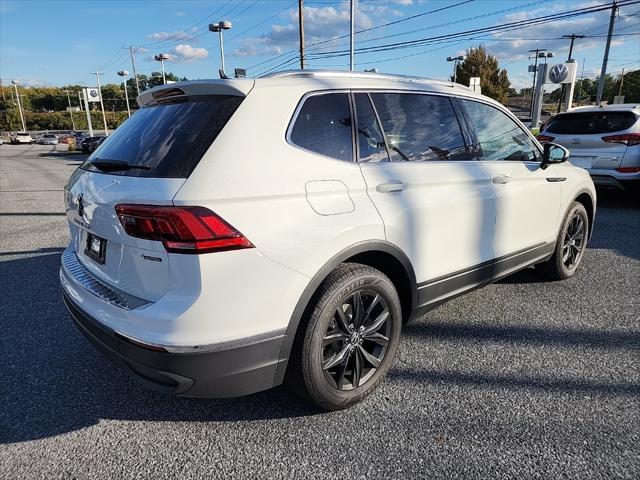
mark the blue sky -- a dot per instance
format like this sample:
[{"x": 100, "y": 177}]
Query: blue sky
[{"x": 59, "y": 42}]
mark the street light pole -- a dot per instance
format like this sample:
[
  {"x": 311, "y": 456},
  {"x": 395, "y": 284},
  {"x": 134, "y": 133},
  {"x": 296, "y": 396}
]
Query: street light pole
[
  {"x": 219, "y": 27},
  {"x": 24, "y": 125},
  {"x": 455, "y": 61},
  {"x": 123, "y": 74},
  {"x": 73, "y": 123},
  {"x": 104, "y": 117},
  {"x": 161, "y": 58}
]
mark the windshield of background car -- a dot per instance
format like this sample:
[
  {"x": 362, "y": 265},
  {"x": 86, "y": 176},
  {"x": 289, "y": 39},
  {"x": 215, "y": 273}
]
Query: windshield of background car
[
  {"x": 588, "y": 123},
  {"x": 167, "y": 140}
]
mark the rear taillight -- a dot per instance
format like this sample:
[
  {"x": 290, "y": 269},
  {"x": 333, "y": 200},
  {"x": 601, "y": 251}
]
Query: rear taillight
[
  {"x": 628, "y": 169},
  {"x": 545, "y": 138},
  {"x": 628, "y": 139},
  {"x": 181, "y": 229}
]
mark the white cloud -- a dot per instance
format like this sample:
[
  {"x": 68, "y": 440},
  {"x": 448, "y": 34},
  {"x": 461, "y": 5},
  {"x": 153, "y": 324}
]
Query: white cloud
[
  {"x": 515, "y": 44},
  {"x": 178, "y": 35},
  {"x": 321, "y": 23},
  {"x": 180, "y": 14},
  {"x": 187, "y": 52}
]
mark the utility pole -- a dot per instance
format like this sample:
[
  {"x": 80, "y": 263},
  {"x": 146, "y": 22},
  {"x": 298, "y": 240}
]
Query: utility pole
[
  {"x": 603, "y": 71},
  {"x": 135, "y": 75},
  {"x": 573, "y": 37},
  {"x": 352, "y": 32},
  {"x": 104, "y": 117},
  {"x": 621, "y": 82},
  {"x": 24, "y": 126},
  {"x": 73, "y": 123},
  {"x": 301, "y": 30}
]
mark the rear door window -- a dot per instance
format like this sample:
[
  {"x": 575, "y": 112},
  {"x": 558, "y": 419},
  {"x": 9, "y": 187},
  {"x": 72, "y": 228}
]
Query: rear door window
[
  {"x": 167, "y": 140},
  {"x": 499, "y": 137},
  {"x": 323, "y": 125},
  {"x": 587, "y": 123},
  {"x": 371, "y": 142},
  {"x": 420, "y": 127}
]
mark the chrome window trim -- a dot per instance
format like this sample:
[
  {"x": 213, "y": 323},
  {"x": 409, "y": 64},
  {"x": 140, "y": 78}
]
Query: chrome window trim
[{"x": 79, "y": 275}]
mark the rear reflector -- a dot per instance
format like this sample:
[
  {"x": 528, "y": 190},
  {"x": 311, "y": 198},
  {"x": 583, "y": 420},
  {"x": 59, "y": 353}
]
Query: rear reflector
[
  {"x": 545, "y": 138},
  {"x": 628, "y": 139},
  {"x": 181, "y": 229},
  {"x": 628, "y": 169}
]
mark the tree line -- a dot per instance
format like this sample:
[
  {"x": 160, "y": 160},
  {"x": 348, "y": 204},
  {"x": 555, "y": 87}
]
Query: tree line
[{"x": 45, "y": 107}]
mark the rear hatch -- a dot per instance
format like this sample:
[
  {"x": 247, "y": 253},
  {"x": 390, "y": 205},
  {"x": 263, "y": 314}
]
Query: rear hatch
[
  {"x": 145, "y": 161},
  {"x": 593, "y": 137}
]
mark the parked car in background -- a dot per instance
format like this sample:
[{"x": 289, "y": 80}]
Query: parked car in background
[
  {"x": 1, "y": 141},
  {"x": 603, "y": 140},
  {"x": 48, "y": 139},
  {"x": 89, "y": 144},
  {"x": 400, "y": 193},
  {"x": 18, "y": 138}
]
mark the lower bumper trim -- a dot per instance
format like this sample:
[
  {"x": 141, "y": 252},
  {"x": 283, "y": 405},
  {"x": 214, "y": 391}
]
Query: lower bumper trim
[{"x": 238, "y": 371}]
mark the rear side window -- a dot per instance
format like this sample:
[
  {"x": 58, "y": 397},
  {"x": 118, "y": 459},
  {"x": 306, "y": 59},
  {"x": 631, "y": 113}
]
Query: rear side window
[
  {"x": 168, "y": 140},
  {"x": 586, "y": 123},
  {"x": 420, "y": 127},
  {"x": 323, "y": 126},
  {"x": 499, "y": 137}
]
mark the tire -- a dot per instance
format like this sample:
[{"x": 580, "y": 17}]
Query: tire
[
  {"x": 367, "y": 342},
  {"x": 568, "y": 255}
]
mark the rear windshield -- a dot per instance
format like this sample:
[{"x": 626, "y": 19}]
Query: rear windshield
[
  {"x": 165, "y": 141},
  {"x": 591, "y": 122}
]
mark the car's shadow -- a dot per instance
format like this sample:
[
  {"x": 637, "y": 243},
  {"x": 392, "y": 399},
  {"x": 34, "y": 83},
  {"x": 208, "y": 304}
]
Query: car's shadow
[{"x": 54, "y": 381}]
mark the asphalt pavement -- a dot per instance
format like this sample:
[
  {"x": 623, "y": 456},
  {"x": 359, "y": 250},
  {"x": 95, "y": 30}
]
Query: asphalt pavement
[{"x": 522, "y": 379}]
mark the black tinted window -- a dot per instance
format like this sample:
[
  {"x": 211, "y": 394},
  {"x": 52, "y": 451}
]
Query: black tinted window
[
  {"x": 591, "y": 122},
  {"x": 499, "y": 137},
  {"x": 169, "y": 139},
  {"x": 323, "y": 125},
  {"x": 370, "y": 138},
  {"x": 420, "y": 127}
]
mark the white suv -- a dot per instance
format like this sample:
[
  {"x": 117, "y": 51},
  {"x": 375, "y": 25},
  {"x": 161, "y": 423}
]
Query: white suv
[{"x": 234, "y": 234}]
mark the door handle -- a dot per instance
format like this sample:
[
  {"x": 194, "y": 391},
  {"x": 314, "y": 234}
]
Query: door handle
[
  {"x": 501, "y": 179},
  {"x": 391, "y": 186}
]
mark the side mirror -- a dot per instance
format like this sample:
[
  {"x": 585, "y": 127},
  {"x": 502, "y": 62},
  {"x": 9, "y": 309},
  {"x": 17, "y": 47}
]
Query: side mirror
[{"x": 553, "y": 153}]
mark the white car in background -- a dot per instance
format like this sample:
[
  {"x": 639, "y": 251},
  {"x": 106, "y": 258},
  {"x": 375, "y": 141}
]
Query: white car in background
[
  {"x": 235, "y": 234},
  {"x": 605, "y": 141},
  {"x": 48, "y": 139},
  {"x": 21, "y": 138}
]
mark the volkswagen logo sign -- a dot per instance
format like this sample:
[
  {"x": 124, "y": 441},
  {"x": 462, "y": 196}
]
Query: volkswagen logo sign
[
  {"x": 558, "y": 73},
  {"x": 575, "y": 141},
  {"x": 93, "y": 93}
]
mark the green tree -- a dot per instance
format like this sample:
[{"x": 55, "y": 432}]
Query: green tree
[{"x": 493, "y": 81}]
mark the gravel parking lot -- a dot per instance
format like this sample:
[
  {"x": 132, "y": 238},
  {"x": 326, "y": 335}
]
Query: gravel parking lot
[{"x": 525, "y": 378}]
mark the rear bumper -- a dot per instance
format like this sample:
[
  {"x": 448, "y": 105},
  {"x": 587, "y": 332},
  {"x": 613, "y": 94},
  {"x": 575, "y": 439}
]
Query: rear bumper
[{"x": 226, "y": 370}]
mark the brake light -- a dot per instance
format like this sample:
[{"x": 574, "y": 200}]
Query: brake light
[
  {"x": 628, "y": 139},
  {"x": 628, "y": 169},
  {"x": 545, "y": 138},
  {"x": 181, "y": 229}
]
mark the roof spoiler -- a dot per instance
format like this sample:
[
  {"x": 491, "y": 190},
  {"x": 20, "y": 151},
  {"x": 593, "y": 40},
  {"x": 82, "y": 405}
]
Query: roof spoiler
[{"x": 181, "y": 91}]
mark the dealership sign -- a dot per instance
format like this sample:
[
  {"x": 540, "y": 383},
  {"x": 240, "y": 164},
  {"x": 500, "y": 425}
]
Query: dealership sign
[
  {"x": 561, "y": 73},
  {"x": 92, "y": 94}
]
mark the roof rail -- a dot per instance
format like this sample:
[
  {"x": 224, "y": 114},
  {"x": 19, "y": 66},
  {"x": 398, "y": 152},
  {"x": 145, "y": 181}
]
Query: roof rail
[{"x": 365, "y": 75}]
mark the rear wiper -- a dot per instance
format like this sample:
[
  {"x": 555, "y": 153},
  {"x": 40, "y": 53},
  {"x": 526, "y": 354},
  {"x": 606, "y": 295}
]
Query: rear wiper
[{"x": 116, "y": 165}]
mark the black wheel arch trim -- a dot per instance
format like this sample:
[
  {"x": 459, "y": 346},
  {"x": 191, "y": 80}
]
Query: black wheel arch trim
[
  {"x": 591, "y": 214},
  {"x": 301, "y": 307}
]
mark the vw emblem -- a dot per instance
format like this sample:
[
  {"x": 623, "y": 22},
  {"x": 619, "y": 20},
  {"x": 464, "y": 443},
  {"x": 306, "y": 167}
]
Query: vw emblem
[
  {"x": 558, "y": 73},
  {"x": 80, "y": 206},
  {"x": 575, "y": 141},
  {"x": 93, "y": 93}
]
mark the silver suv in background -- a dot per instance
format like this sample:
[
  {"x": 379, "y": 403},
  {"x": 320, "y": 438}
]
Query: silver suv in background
[{"x": 603, "y": 140}]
